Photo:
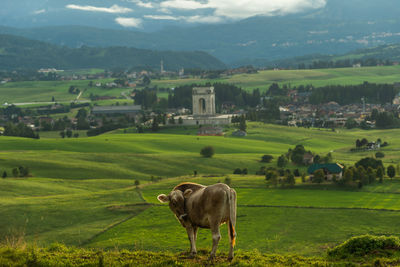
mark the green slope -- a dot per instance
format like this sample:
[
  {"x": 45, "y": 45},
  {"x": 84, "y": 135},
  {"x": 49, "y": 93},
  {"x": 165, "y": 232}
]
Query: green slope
[{"x": 21, "y": 53}]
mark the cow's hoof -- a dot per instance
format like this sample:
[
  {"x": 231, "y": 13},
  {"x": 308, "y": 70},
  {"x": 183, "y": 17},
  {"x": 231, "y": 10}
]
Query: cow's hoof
[{"x": 192, "y": 255}]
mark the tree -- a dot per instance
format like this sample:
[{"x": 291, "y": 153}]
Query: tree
[
  {"x": 380, "y": 174},
  {"x": 237, "y": 171},
  {"x": 228, "y": 181},
  {"x": 207, "y": 151},
  {"x": 154, "y": 125},
  {"x": 245, "y": 171},
  {"x": 266, "y": 158},
  {"x": 146, "y": 80},
  {"x": 303, "y": 177},
  {"x": 290, "y": 179},
  {"x": 348, "y": 176},
  {"x": 62, "y": 134},
  {"x": 319, "y": 176},
  {"x": 4, "y": 174},
  {"x": 391, "y": 171},
  {"x": 242, "y": 124},
  {"x": 15, "y": 172},
  {"x": 69, "y": 133},
  {"x": 180, "y": 120},
  {"x": 282, "y": 161},
  {"x": 76, "y": 135},
  {"x": 137, "y": 183}
]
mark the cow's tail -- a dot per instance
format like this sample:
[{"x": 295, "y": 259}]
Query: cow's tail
[{"x": 232, "y": 215}]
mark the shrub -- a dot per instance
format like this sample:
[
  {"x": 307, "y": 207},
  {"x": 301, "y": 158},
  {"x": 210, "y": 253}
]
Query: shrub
[
  {"x": 244, "y": 171},
  {"x": 296, "y": 172},
  {"x": 362, "y": 245},
  {"x": 228, "y": 181},
  {"x": 237, "y": 171},
  {"x": 319, "y": 176},
  {"x": 282, "y": 161},
  {"x": 15, "y": 172},
  {"x": 266, "y": 158},
  {"x": 303, "y": 177},
  {"x": 137, "y": 183},
  {"x": 379, "y": 155},
  {"x": 207, "y": 151},
  {"x": 391, "y": 171}
]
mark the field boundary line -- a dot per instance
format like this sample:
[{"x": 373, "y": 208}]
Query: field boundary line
[
  {"x": 117, "y": 223},
  {"x": 312, "y": 207}
]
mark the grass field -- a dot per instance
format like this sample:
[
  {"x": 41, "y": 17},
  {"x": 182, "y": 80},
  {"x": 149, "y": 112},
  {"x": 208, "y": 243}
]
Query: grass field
[
  {"x": 43, "y": 91},
  {"x": 27, "y": 92},
  {"x": 321, "y": 77},
  {"x": 82, "y": 191}
]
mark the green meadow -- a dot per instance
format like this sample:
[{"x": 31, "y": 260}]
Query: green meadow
[
  {"x": 319, "y": 77},
  {"x": 82, "y": 190},
  {"x": 42, "y": 91}
]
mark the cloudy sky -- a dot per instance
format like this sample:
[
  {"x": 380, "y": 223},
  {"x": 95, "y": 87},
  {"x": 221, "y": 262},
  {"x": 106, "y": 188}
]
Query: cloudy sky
[
  {"x": 139, "y": 13},
  {"x": 133, "y": 13}
]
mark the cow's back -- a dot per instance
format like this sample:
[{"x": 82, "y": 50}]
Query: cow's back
[{"x": 209, "y": 204}]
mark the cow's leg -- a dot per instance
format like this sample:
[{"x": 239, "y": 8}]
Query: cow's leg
[
  {"x": 191, "y": 236},
  {"x": 195, "y": 228},
  {"x": 230, "y": 257},
  {"x": 216, "y": 236}
]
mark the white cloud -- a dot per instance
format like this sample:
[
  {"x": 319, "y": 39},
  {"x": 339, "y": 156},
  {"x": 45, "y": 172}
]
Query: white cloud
[
  {"x": 41, "y": 11},
  {"x": 141, "y": 3},
  {"x": 115, "y": 9},
  {"x": 161, "y": 17},
  {"x": 144, "y": 4},
  {"x": 183, "y": 4},
  {"x": 240, "y": 9},
  {"x": 129, "y": 22},
  {"x": 203, "y": 19}
]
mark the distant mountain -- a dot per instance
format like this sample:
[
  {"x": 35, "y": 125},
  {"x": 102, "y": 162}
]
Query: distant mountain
[
  {"x": 18, "y": 52},
  {"x": 339, "y": 27}
]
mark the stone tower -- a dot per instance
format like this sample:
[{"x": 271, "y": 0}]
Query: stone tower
[{"x": 203, "y": 101}]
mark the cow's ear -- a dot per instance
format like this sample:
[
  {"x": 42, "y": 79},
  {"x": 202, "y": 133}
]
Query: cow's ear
[
  {"x": 163, "y": 198},
  {"x": 187, "y": 193}
]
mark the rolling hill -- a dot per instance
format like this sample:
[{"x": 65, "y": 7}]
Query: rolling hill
[{"x": 18, "y": 52}]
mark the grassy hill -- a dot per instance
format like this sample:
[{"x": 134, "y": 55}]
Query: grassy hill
[
  {"x": 82, "y": 191},
  {"x": 17, "y": 92},
  {"x": 21, "y": 53},
  {"x": 319, "y": 77}
]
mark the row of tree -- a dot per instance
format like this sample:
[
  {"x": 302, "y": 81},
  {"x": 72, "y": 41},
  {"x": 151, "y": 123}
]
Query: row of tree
[
  {"x": 349, "y": 94},
  {"x": 20, "y": 171}
]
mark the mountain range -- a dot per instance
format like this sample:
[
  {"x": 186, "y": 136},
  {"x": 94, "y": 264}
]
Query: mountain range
[
  {"x": 337, "y": 28},
  {"x": 18, "y": 52}
]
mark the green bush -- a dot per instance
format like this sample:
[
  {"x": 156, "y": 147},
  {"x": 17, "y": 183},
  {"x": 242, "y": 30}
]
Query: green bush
[
  {"x": 207, "y": 151},
  {"x": 266, "y": 158},
  {"x": 363, "y": 245},
  {"x": 379, "y": 155}
]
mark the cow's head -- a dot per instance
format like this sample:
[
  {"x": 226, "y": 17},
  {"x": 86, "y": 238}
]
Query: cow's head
[{"x": 176, "y": 201}]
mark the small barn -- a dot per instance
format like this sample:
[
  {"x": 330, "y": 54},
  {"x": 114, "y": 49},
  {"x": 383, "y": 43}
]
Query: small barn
[
  {"x": 210, "y": 131},
  {"x": 329, "y": 169}
]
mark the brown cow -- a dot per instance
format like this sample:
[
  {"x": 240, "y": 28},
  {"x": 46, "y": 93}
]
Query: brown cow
[{"x": 196, "y": 205}]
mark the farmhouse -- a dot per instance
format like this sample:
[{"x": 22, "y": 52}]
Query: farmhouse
[
  {"x": 116, "y": 110},
  {"x": 329, "y": 169},
  {"x": 210, "y": 131}
]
